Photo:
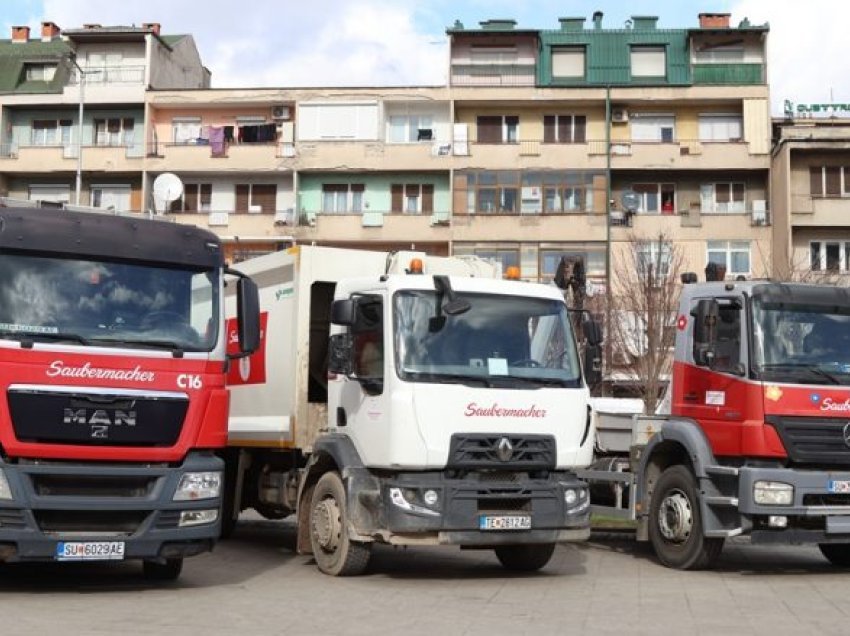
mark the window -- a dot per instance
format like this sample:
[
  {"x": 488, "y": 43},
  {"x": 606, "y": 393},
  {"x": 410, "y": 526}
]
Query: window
[
  {"x": 646, "y": 127},
  {"x": 51, "y": 132},
  {"x": 719, "y": 54},
  {"x": 256, "y": 198},
  {"x": 113, "y": 132},
  {"x": 342, "y": 198},
  {"x": 493, "y": 55},
  {"x": 410, "y": 128},
  {"x": 733, "y": 255},
  {"x": 527, "y": 192},
  {"x": 830, "y": 256},
  {"x": 723, "y": 198},
  {"x": 656, "y": 198},
  {"x": 197, "y": 197},
  {"x": 830, "y": 181},
  {"x": 39, "y": 72},
  {"x": 564, "y": 199},
  {"x": 720, "y": 127},
  {"x": 653, "y": 259},
  {"x": 52, "y": 193},
  {"x": 593, "y": 261},
  {"x": 412, "y": 198},
  {"x": 342, "y": 121},
  {"x": 185, "y": 130},
  {"x": 564, "y": 129},
  {"x": 649, "y": 61},
  {"x": 568, "y": 62},
  {"x": 115, "y": 196},
  {"x": 498, "y": 129}
]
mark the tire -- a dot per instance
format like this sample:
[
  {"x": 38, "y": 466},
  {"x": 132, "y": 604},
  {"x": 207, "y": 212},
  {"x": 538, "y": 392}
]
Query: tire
[
  {"x": 675, "y": 523},
  {"x": 525, "y": 557},
  {"x": 837, "y": 553},
  {"x": 334, "y": 552},
  {"x": 159, "y": 571}
]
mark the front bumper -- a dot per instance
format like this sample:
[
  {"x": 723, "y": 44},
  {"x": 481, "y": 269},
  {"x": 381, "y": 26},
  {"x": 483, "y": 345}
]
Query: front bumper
[
  {"x": 56, "y": 502},
  {"x": 815, "y": 515},
  {"x": 463, "y": 503}
]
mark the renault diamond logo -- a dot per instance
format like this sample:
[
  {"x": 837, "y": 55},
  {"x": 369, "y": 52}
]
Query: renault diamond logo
[
  {"x": 505, "y": 450},
  {"x": 846, "y": 434}
]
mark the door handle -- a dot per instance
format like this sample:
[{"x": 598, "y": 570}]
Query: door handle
[{"x": 341, "y": 416}]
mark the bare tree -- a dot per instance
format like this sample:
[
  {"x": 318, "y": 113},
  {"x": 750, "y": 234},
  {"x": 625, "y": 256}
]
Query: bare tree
[{"x": 644, "y": 301}]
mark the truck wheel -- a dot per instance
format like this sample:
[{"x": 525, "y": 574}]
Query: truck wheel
[
  {"x": 158, "y": 571},
  {"x": 675, "y": 523},
  {"x": 837, "y": 553},
  {"x": 525, "y": 557},
  {"x": 334, "y": 552}
]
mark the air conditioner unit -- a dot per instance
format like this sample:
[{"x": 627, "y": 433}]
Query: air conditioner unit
[
  {"x": 280, "y": 112},
  {"x": 619, "y": 115}
]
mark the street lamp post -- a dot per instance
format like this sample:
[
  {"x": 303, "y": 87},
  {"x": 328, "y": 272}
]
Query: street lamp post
[{"x": 79, "y": 183}]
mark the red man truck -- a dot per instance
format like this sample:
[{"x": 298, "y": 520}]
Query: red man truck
[
  {"x": 112, "y": 365},
  {"x": 756, "y": 441}
]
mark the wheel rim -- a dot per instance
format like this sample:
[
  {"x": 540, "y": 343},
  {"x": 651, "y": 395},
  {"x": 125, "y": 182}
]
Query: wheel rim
[
  {"x": 676, "y": 517},
  {"x": 326, "y": 525}
]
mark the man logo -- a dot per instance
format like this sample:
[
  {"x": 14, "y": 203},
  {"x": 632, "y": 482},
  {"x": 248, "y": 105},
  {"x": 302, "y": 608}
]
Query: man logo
[
  {"x": 504, "y": 450},
  {"x": 99, "y": 420}
]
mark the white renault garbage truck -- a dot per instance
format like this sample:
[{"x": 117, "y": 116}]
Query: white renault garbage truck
[{"x": 410, "y": 400}]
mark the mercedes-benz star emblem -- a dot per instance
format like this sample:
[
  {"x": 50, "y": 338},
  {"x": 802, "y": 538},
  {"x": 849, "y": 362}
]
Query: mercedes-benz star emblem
[
  {"x": 505, "y": 450},
  {"x": 846, "y": 434}
]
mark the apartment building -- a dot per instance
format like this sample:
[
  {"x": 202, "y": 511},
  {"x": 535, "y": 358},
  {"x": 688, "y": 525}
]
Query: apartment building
[
  {"x": 543, "y": 144},
  {"x": 810, "y": 182},
  {"x": 72, "y": 109}
]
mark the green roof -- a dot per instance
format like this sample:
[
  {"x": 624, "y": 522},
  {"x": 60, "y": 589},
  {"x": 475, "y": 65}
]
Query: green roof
[{"x": 14, "y": 56}]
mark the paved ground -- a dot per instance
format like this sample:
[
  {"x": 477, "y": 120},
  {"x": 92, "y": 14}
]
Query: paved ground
[{"x": 255, "y": 584}]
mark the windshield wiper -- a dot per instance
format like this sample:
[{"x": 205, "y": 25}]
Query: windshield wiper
[
  {"x": 177, "y": 349},
  {"x": 28, "y": 339},
  {"x": 826, "y": 375}
]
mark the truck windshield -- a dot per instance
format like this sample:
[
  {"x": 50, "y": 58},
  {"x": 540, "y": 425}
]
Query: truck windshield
[
  {"x": 47, "y": 298},
  {"x": 500, "y": 341},
  {"x": 804, "y": 344}
]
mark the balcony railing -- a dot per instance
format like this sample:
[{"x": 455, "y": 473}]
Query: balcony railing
[
  {"x": 160, "y": 149},
  {"x": 493, "y": 74},
  {"x": 110, "y": 75}
]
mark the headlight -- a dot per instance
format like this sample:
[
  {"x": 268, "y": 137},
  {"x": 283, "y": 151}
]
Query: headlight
[
  {"x": 773, "y": 493},
  {"x": 570, "y": 496},
  {"x": 405, "y": 499},
  {"x": 194, "y": 486},
  {"x": 5, "y": 491}
]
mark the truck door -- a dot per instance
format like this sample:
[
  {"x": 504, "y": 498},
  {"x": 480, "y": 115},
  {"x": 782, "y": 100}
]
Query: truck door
[{"x": 716, "y": 394}]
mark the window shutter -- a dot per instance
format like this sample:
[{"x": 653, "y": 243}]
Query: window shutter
[
  {"x": 549, "y": 129},
  {"x": 427, "y": 197},
  {"x": 242, "y": 190},
  {"x": 816, "y": 180},
  {"x": 490, "y": 130},
  {"x": 565, "y": 132},
  {"x": 265, "y": 195},
  {"x": 397, "y": 196},
  {"x": 579, "y": 127},
  {"x": 833, "y": 181},
  {"x": 190, "y": 199}
]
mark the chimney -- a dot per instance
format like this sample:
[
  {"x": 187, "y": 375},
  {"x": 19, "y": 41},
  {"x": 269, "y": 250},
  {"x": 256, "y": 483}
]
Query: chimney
[
  {"x": 20, "y": 34},
  {"x": 151, "y": 26},
  {"x": 49, "y": 31},
  {"x": 645, "y": 22},
  {"x": 714, "y": 20},
  {"x": 597, "y": 19},
  {"x": 571, "y": 24}
]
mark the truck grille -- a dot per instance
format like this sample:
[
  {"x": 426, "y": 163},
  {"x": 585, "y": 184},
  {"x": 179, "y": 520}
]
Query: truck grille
[
  {"x": 71, "y": 416},
  {"x": 12, "y": 518},
  {"x": 812, "y": 440},
  {"x": 474, "y": 451},
  {"x": 92, "y": 486},
  {"x": 92, "y": 522}
]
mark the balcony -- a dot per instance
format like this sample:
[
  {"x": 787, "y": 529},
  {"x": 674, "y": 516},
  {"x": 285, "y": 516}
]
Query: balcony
[
  {"x": 493, "y": 74},
  {"x": 251, "y": 157},
  {"x": 99, "y": 158},
  {"x": 376, "y": 227},
  {"x": 693, "y": 224},
  {"x": 533, "y": 227},
  {"x": 811, "y": 211},
  {"x": 369, "y": 155},
  {"x": 737, "y": 74},
  {"x": 682, "y": 154},
  {"x": 528, "y": 153}
]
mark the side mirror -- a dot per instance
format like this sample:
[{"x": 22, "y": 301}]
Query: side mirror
[
  {"x": 593, "y": 332},
  {"x": 593, "y": 364},
  {"x": 343, "y": 312},
  {"x": 340, "y": 353},
  {"x": 706, "y": 313},
  {"x": 248, "y": 316}
]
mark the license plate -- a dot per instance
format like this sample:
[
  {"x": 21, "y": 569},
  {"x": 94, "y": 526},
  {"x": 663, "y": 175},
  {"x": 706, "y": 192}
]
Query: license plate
[
  {"x": 839, "y": 485},
  {"x": 89, "y": 550},
  {"x": 504, "y": 522}
]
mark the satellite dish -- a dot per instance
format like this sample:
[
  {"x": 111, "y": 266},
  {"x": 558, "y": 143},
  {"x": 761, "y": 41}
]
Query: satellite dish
[
  {"x": 631, "y": 200},
  {"x": 167, "y": 187}
]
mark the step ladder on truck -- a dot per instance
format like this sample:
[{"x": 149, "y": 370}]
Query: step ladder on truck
[
  {"x": 754, "y": 439},
  {"x": 407, "y": 399}
]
